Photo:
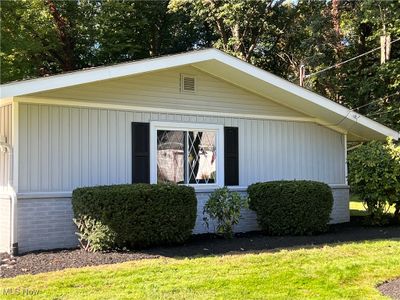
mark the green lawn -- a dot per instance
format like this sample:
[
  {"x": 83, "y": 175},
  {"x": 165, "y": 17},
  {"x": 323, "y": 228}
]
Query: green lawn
[
  {"x": 331, "y": 272},
  {"x": 357, "y": 208}
]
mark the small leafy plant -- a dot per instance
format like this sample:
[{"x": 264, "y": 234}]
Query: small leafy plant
[
  {"x": 93, "y": 235},
  {"x": 224, "y": 207}
]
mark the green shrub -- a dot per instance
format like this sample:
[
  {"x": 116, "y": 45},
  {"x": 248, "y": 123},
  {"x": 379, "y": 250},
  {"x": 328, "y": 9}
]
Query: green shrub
[
  {"x": 223, "y": 207},
  {"x": 93, "y": 235},
  {"x": 291, "y": 207},
  {"x": 138, "y": 215},
  {"x": 374, "y": 174}
]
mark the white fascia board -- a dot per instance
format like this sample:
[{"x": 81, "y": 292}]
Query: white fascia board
[
  {"x": 378, "y": 127},
  {"x": 103, "y": 73},
  {"x": 281, "y": 83},
  {"x": 165, "y": 62},
  {"x": 305, "y": 94}
]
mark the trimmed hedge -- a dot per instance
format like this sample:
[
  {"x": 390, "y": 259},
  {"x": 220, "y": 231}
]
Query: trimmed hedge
[
  {"x": 138, "y": 215},
  {"x": 291, "y": 207}
]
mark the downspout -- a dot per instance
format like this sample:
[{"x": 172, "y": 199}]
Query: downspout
[
  {"x": 346, "y": 172},
  {"x": 7, "y": 148}
]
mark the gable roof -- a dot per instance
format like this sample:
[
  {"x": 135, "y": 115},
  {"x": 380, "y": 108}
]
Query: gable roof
[{"x": 228, "y": 68}]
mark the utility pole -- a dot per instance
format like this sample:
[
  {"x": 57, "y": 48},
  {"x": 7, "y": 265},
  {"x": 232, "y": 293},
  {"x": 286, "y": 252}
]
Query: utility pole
[
  {"x": 385, "y": 38},
  {"x": 302, "y": 74},
  {"x": 385, "y": 48}
]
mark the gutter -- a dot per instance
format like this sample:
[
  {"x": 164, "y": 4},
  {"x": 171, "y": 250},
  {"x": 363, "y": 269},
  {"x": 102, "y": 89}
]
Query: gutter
[{"x": 7, "y": 148}]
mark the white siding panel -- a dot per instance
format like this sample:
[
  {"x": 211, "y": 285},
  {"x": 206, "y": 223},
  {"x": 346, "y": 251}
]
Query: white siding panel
[
  {"x": 84, "y": 142},
  {"x": 54, "y": 147},
  {"x": 5, "y": 130},
  {"x": 5, "y": 230},
  {"x": 162, "y": 90},
  {"x": 65, "y": 147}
]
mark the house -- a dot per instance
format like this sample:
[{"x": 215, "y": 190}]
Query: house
[{"x": 202, "y": 118}]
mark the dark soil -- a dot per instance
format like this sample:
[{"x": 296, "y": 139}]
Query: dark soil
[
  {"x": 46, "y": 261},
  {"x": 391, "y": 289},
  {"x": 198, "y": 245}
]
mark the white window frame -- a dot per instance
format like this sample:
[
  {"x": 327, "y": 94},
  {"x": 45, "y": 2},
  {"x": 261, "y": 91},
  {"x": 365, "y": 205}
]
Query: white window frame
[{"x": 219, "y": 129}]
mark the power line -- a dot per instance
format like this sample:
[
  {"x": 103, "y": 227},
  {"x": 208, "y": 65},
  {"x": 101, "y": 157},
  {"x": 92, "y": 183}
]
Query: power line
[
  {"x": 350, "y": 110},
  {"x": 346, "y": 61},
  {"x": 377, "y": 112},
  {"x": 379, "y": 99},
  {"x": 380, "y": 113},
  {"x": 341, "y": 120}
]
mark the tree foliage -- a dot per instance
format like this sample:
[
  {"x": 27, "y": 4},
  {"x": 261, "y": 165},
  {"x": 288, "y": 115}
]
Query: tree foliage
[
  {"x": 365, "y": 82},
  {"x": 375, "y": 175}
]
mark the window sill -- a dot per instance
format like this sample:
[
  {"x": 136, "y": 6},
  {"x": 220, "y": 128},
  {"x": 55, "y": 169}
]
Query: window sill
[{"x": 212, "y": 188}]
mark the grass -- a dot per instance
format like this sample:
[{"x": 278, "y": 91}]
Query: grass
[
  {"x": 357, "y": 208},
  {"x": 331, "y": 272}
]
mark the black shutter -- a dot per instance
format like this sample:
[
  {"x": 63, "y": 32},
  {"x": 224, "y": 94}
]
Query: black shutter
[
  {"x": 231, "y": 148},
  {"x": 140, "y": 152}
]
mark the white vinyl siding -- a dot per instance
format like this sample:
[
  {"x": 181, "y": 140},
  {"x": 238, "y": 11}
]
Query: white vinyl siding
[
  {"x": 5, "y": 130},
  {"x": 66, "y": 147},
  {"x": 162, "y": 90},
  {"x": 5, "y": 228}
]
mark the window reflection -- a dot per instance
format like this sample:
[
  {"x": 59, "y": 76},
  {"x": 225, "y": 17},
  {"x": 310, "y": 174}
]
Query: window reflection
[
  {"x": 170, "y": 156},
  {"x": 186, "y": 157}
]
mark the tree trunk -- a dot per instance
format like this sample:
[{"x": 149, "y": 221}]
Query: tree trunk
[
  {"x": 335, "y": 16},
  {"x": 397, "y": 213},
  {"x": 62, "y": 25}
]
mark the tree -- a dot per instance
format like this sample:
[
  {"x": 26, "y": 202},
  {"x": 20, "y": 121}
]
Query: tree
[
  {"x": 50, "y": 37},
  {"x": 365, "y": 81},
  {"x": 27, "y": 50},
  {"x": 238, "y": 24},
  {"x": 302, "y": 33},
  {"x": 374, "y": 174},
  {"x": 58, "y": 36}
]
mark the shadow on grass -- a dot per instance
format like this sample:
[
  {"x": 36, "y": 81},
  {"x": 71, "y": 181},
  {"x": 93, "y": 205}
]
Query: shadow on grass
[{"x": 208, "y": 244}]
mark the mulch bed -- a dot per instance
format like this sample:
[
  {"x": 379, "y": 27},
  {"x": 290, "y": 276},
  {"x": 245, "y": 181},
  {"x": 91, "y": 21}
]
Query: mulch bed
[
  {"x": 46, "y": 261},
  {"x": 198, "y": 245},
  {"x": 391, "y": 289}
]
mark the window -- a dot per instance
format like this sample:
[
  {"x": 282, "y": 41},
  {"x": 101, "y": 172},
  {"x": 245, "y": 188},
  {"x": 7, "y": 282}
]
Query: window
[{"x": 186, "y": 154}]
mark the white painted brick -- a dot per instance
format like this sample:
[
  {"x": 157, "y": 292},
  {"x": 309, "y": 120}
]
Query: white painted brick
[{"x": 48, "y": 226}]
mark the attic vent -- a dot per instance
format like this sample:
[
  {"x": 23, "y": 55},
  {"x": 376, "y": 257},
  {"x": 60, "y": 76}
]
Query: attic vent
[{"x": 188, "y": 84}]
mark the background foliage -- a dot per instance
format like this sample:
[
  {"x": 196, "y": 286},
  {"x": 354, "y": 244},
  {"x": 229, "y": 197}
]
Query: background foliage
[
  {"x": 40, "y": 37},
  {"x": 375, "y": 176}
]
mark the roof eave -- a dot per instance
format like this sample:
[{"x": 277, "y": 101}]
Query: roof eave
[{"x": 104, "y": 73}]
